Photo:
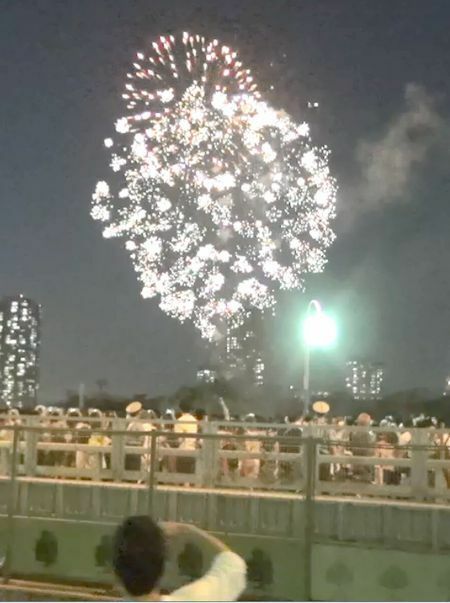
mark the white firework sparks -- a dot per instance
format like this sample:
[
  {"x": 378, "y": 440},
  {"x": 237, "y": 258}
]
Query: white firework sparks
[{"x": 220, "y": 200}]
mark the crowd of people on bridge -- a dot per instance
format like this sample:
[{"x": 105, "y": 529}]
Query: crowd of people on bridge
[{"x": 183, "y": 429}]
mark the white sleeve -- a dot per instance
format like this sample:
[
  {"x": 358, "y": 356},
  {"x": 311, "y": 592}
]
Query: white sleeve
[{"x": 225, "y": 581}]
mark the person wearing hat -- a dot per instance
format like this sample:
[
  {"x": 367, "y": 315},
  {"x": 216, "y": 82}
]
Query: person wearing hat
[
  {"x": 133, "y": 409},
  {"x": 321, "y": 408},
  {"x": 133, "y": 461}
]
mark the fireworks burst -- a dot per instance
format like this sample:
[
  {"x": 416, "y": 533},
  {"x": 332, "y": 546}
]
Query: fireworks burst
[
  {"x": 220, "y": 200},
  {"x": 158, "y": 81}
]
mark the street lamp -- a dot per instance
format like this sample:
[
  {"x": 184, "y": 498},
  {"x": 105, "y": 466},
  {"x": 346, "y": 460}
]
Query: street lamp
[{"x": 319, "y": 332}]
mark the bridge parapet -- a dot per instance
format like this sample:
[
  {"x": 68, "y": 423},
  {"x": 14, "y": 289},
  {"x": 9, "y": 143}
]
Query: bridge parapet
[
  {"x": 306, "y": 537},
  {"x": 268, "y": 458},
  {"x": 60, "y": 530}
]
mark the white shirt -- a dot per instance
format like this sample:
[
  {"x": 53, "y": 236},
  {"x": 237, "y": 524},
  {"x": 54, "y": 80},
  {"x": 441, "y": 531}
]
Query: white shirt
[
  {"x": 225, "y": 581},
  {"x": 131, "y": 440},
  {"x": 187, "y": 423}
]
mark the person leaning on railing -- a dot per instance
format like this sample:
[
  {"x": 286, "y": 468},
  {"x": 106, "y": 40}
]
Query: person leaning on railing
[
  {"x": 81, "y": 435},
  {"x": 250, "y": 467},
  {"x": 230, "y": 467},
  {"x": 290, "y": 442},
  {"x": 140, "y": 552},
  {"x": 186, "y": 425},
  {"x": 361, "y": 444},
  {"x": 386, "y": 474},
  {"x": 225, "y": 444},
  {"x": 73, "y": 417},
  {"x": 57, "y": 434},
  {"x": 442, "y": 442},
  {"x": 97, "y": 461},
  {"x": 338, "y": 442},
  {"x": 269, "y": 467},
  {"x": 169, "y": 440}
]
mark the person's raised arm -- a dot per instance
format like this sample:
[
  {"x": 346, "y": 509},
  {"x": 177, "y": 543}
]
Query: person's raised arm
[
  {"x": 226, "y": 579},
  {"x": 173, "y": 529}
]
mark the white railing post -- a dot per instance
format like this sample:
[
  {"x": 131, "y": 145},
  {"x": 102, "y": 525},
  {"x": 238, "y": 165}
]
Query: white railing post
[
  {"x": 97, "y": 469},
  {"x": 419, "y": 456},
  {"x": 311, "y": 453},
  {"x": 214, "y": 463},
  {"x": 117, "y": 450},
  {"x": 30, "y": 455},
  {"x": 12, "y": 502},
  {"x": 206, "y": 461},
  {"x": 307, "y": 434}
]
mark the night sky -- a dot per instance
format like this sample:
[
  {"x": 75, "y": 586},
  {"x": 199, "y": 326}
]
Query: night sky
[{"x": 380, "y": 73}]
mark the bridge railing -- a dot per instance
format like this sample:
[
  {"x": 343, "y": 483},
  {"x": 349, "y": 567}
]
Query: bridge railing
[
  {"x": 415, "y": 467},
  {"x": 207, "y": 459},
  {"x": 262, "y": 458}
]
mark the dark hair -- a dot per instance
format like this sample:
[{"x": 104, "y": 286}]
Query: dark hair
[
  {"x": 185, "y": 406},
  {"x": 139, "y": 552},
  {"x": 200, "y": 414},
  {"x": 424, "y": 422}
]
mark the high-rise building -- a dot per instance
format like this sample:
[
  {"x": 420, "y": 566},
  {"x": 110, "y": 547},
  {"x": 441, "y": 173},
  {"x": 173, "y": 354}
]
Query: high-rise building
[
  {"x": 20, "y": 320},
  {"x": 364, "y": 379},
  {"x": 241, "y": 354}
]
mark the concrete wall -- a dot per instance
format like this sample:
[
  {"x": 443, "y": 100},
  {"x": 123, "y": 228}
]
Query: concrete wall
[
  {"x": 357, "y": 573},
  {"x": 359, "y": 550},
  {"x": 77, "y": 552}
]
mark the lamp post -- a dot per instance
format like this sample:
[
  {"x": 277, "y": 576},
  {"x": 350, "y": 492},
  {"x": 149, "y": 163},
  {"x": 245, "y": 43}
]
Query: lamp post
[{"x": 319, "y": 332}]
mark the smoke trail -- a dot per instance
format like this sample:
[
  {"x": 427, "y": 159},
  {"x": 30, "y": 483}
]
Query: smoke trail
[{"x": 388, "y": 164}]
